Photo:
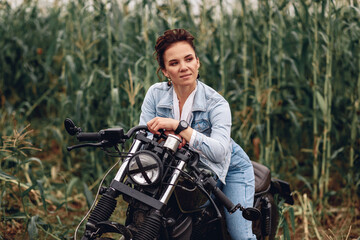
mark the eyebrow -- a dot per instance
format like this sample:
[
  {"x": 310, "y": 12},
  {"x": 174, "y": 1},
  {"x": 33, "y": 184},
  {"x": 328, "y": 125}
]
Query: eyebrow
[{"x": 189, "y": 55}]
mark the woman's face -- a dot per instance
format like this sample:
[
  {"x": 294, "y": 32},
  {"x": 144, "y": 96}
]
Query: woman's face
[{"x": 181, "y": 64}]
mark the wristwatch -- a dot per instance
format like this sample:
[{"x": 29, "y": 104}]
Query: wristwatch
[{"x": 181, "y": 127}]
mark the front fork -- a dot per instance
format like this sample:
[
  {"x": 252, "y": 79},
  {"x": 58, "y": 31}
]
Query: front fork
[
  {"x": 150, "y": 228},
  {"x": 101, "y": 213},
  {"x": 107, "y": 202}
]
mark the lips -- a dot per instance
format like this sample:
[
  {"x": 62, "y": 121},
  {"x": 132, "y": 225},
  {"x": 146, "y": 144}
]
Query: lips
[{"x": 185, "y": 76}]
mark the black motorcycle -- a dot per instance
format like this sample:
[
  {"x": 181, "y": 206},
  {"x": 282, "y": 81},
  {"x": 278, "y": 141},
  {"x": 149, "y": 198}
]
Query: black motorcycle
[{"x": 168, "y": 195}]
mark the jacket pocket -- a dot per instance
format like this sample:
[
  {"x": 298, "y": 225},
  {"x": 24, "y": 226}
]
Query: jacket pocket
[
  {"x": 202, "y": 126},
  {"x": 163, "y": 112}
]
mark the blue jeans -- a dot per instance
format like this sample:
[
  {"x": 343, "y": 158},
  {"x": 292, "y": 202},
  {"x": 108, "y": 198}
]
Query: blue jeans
[{"x": 239, "y": 188}]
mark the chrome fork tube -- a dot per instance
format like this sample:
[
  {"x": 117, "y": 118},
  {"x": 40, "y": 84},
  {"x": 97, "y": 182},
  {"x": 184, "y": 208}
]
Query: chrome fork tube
[
  {"x": 173, "y": 180},
  {"x": 133, "y": 149}
]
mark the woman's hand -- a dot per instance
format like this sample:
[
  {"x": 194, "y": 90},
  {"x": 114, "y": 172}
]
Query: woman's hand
[{"x": 168, "y": 124}]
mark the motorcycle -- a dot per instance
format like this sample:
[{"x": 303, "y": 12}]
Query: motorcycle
[{"x": 168, "y": 195}]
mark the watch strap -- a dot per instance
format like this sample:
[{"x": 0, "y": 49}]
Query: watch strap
[{"x": 181, "y": 127}]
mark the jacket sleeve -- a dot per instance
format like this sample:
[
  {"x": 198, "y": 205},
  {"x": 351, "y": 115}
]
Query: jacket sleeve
[
  {"x": 217, "y": 146},
  {"x": 148, "y": 107}
]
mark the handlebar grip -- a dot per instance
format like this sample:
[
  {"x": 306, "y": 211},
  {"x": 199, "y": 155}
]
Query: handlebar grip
[
  {"x": 223, "y": 199},
  {"x": 88, "y": 136},
  {"x": 220, "y": 195}
]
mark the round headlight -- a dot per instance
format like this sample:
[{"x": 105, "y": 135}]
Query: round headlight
[{"x": 144, "y": 168}]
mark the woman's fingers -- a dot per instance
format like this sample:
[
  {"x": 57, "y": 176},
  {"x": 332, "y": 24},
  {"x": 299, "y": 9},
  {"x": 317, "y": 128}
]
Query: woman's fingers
[
  {"x": 168, "y": 124},
  {"x": 182, "y": 143},
  {"x": 162, "y": 123},
  {"x": 152, "y": 126},
  {"x": 167, "y": 132}
]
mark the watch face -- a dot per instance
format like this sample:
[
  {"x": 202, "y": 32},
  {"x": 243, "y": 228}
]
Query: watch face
[{"x": 183, "y": 124}]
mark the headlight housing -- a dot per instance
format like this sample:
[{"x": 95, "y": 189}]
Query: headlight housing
[{"x": 144, "y": 168}]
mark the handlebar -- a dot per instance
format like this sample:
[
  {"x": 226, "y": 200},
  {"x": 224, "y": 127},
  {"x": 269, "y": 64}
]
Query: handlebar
[
  {"x": 210, "y": 184},
  {"x": 115, "y": 135},
  {"x": 110, "y": 136},
  {"x": 91, "y": 136},
  {"x": 135, "y": 129},
  {"x": 249, "y": 213}
]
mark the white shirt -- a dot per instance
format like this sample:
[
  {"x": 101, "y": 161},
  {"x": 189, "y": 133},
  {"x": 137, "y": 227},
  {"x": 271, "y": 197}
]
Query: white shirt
[{"x": 186, "y": 110}]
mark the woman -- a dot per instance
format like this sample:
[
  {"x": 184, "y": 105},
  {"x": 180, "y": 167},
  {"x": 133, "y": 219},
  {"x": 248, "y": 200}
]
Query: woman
[{"x": 201, "y": 117}]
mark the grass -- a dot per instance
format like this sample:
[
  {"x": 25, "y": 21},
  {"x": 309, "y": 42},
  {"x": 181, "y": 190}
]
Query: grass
[{"x": 289, "y": 69}]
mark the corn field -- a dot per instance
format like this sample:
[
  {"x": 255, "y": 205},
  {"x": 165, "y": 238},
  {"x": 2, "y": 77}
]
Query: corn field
[{"x": 290, "y": 70}]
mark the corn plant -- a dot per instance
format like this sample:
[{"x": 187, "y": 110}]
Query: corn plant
[{"x": 289, "y": 69}]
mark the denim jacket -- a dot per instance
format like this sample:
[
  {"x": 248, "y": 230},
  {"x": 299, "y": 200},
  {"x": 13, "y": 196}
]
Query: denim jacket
[{"x": 210, "y": 117}]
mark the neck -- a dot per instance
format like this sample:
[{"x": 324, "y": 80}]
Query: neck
[{"x": 183, "y": 92}]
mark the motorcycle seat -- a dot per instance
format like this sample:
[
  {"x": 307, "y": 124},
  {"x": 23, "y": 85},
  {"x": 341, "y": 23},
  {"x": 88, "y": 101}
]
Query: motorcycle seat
[{"x": 262, "y": 177}]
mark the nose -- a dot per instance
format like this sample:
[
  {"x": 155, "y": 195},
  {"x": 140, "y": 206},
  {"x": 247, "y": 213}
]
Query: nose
[{"x": 183, "y": 66}]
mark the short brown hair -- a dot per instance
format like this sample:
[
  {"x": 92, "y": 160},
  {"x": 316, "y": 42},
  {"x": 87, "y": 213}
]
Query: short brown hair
[{"x": 168, "y": 38}]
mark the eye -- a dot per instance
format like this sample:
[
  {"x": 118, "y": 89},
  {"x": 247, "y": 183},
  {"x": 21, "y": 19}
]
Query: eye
[
  {"x": 189, "y": 59},
  {"x": 172, "y": 63}
]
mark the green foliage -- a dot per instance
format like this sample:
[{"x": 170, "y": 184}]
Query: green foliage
[{"x": 289, "y": 69}]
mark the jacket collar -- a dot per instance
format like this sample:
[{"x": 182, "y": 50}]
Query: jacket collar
[{"x": 199, "y": 100}]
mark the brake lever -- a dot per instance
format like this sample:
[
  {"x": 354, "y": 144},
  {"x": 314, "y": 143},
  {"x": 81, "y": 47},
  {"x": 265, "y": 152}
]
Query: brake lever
[{"x": 99, "y": 144}]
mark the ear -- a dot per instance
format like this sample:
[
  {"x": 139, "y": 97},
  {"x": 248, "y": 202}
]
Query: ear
[
  {"x": 198, "y": 62},
  {"x": 165, "y": 73}
]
